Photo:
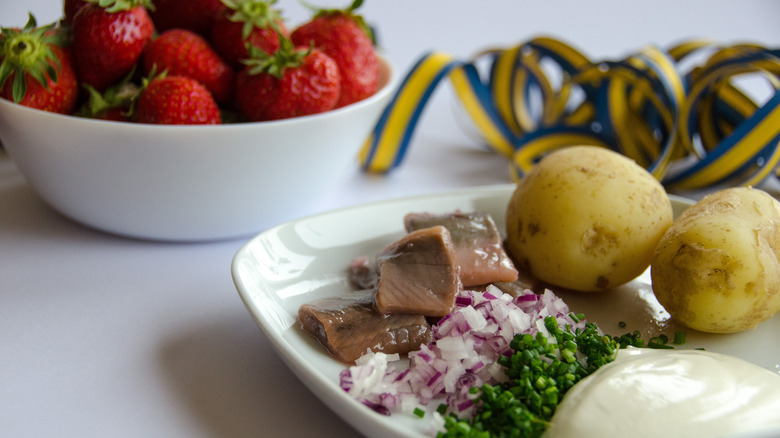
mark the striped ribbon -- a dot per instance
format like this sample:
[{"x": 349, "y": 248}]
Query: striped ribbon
[{"x": 680, "y": 113}]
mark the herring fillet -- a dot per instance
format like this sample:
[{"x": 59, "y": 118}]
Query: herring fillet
[{"x": 348, "y": 326}]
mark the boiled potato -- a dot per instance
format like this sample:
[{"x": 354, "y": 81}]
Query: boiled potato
[
  {"x": 586, "y": 218},
  {"x": 716, "y": 269}
]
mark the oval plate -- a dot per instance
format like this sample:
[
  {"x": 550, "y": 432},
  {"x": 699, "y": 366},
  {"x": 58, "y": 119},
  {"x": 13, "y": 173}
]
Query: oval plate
[{"x": 306, "y": 259}]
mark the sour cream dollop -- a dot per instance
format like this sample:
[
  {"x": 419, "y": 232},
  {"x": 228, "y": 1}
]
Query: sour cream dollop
[{"x": 670, "y": 393}]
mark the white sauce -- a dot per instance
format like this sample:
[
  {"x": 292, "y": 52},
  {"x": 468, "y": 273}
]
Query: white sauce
[{"x": 670, "y": 393}]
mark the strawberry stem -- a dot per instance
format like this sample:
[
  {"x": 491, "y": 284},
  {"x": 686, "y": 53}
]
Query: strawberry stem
[{"x": 28, "y": 52}]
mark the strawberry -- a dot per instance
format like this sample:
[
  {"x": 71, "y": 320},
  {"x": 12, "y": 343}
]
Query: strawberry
[
  {"x": 255, "y": 22},
  {"x": 195, "y": 15},
  {"x": 70, "y": 7},
  {"x": 36, "y": 69},
  {"x": 108, "y": 38},
  {"x": 346, "y": 38},
  {"x": 185, "y": 53},
  {"x": 176, "y": 100},
  {"x": 290, "y": 83}
]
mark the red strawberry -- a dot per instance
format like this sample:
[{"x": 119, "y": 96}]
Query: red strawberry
[
  {"x": 108, "y": 41},
  {"x": 70, "y": 8},
  {"x": 346, "y": 38},
  {"x": 36, "y": 70},
  {"x": 246, "y": 21},
  {"x": 290, "y": 83},
  {"x": 195, "y": 15},
  {"x": 177, "y": 100},
  {"x": 184, "y": 53}
]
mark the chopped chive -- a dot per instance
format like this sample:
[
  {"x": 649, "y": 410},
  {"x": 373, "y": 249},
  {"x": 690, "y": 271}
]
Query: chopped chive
[
  {"x": 659, "y": 346},
  {"x": 419, "y": 412},
  {"x": 540, "y": 371}
]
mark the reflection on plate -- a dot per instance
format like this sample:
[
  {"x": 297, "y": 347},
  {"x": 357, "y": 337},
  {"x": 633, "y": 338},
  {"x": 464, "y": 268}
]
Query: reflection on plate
[{"x": 306, "y": 259}]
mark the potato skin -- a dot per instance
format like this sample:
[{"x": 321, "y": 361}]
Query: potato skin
[
  {"x": 716, "y": 269},
  {"x": 586, "y": 218}
]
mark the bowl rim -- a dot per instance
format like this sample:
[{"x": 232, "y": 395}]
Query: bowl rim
[{"x": 386, "y": 88}]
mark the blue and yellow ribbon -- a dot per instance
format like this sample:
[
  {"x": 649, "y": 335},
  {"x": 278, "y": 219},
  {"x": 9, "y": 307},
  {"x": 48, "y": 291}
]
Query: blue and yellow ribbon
[{"x": 687, "y": 123}]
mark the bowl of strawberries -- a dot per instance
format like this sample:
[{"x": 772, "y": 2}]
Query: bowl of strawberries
[{"x": 187, "y": 120}]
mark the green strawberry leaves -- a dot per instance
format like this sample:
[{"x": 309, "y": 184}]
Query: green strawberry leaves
[
  {"x": 122, "y": 95},
  {"x": 254, "y": 14},
  {"x": 287, "y": 56},
  {"x": 318, "y": 12},
  {"x": 122, "y": 5},
  {"x": 349, "y": 12}
]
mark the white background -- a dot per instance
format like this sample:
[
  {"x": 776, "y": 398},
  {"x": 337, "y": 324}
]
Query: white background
[{"x": 105, "y": 336}]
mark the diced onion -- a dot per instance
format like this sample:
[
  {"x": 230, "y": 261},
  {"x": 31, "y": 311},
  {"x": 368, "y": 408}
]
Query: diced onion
[{"x": 462, "y": 355}]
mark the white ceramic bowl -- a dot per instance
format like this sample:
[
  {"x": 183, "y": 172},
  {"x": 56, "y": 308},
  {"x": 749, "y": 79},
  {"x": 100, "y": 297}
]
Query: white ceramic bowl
[{"x": 187, "y": 183}]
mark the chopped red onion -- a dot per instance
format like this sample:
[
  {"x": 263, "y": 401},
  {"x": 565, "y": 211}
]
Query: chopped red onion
[
  {"x": 462, "y": 301},
  {"x": 527, "y": 297},
  {"x": 462, "y": 355}
]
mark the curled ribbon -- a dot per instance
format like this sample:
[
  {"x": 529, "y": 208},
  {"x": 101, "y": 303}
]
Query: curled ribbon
[{"x": 687, "y": 122}]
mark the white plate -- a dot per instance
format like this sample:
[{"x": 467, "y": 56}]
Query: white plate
[{"x": 306, "y": 259}]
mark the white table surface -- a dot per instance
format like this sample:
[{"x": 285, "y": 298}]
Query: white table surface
[{"x": 106, "y": 336}]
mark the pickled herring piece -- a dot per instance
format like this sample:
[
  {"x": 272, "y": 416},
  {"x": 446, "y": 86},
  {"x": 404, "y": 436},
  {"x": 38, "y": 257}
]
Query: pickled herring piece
[
  {"x": 418, "y": 274},
  {"x": 349, "y": 326},
  {"x": 477, "y": 242}
]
